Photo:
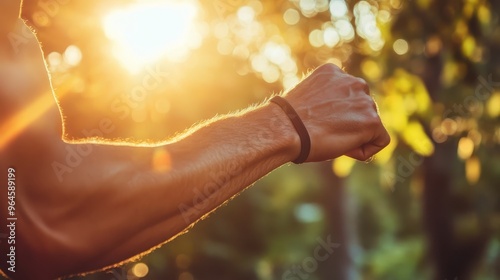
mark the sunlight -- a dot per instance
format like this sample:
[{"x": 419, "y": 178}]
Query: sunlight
[
  {"x": 17, "y": 123},
  {"x": 146, "y": 31}
]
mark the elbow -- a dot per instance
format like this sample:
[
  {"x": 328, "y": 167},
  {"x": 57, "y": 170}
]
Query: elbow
[{"x": 44, "y": 248}]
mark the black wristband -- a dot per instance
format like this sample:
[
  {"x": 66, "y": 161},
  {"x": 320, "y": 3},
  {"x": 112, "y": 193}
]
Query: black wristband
[{"x": 305, "y": 140}]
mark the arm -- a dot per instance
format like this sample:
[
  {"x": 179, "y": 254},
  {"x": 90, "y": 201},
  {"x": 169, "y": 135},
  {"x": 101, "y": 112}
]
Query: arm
[
  {"x": 120, "y": 201},
  {"x": 10, "y": 13},
  {"x": 117, "y": 203}
]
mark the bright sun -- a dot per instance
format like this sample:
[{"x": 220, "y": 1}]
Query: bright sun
[{"x": 143, "y": 32}]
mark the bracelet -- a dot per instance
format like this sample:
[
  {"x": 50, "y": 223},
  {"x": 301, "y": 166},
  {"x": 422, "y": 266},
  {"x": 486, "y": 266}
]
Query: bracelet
[{"x": 305, "y": 140}]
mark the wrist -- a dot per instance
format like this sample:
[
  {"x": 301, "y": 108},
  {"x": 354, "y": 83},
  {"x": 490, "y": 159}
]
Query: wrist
[
  {"x": 282, "y": 130},
  {"x": 298, "y": 125}
]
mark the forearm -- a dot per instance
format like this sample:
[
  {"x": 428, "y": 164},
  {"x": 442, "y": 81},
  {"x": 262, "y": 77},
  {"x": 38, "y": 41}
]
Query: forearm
[
  {"x": 149, "y": 205},
  {"x": 230, "y": 154}
]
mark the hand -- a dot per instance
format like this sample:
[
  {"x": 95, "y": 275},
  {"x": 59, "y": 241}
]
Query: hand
[{"x": 340, "y": 115}]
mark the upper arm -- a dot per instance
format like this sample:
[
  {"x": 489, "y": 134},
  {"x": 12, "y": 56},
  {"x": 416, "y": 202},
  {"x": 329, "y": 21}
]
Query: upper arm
[{"x": 10, "y": 11}]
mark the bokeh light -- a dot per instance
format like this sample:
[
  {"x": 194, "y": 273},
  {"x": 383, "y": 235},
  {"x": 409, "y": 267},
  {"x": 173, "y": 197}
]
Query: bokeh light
[
  {"x": 400, "y": 46},
  {"x": 291, "y": 16},
  {"x": 366, "y": 25},
  {"x": 72, "y": 55},
  {"x": 472, "y": 170},
  {"x": 140, "y": 270},
  {"x": 246, "y": 14},
  {"x": 308, "y": 213},
  {"x": 465, "y": 148}
]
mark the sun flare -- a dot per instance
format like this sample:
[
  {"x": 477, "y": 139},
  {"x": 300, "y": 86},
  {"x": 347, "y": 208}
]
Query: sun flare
[{"x": 148, "y": 30}]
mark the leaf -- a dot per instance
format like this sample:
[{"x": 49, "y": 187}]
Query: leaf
[{"x": 342, "y": 166}]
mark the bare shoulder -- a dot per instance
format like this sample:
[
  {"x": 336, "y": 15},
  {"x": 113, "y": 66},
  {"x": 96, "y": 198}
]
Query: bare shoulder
[{"x": 9, "y": 12}]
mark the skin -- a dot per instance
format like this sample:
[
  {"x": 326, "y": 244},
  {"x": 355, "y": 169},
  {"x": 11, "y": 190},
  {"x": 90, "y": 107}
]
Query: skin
[{"x": 118, "y": 203}]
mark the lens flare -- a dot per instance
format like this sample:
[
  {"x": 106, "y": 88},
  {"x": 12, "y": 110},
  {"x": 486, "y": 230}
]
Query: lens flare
[{"x": 146, "y": 31}]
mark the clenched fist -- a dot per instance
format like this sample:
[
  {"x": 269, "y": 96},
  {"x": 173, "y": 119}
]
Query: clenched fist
[{"x": 339, "y": 114}]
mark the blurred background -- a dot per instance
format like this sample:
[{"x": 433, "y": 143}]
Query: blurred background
[{"x": 426, "y": 208}]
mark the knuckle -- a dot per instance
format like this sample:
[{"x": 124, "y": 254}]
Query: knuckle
[
  {"x": 372, "y": 121},
  {"x": 361, "y": 81},
  {"x": 362, "y": 84},
  {"x": 329, "y": 67},
  {"x": 371, "y": 116}
]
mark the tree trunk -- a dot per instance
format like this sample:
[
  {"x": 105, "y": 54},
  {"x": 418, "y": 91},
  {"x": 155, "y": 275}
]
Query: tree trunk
[
  {"x": 339, "y": 265},
  {"x": 451, "y": 258}
]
